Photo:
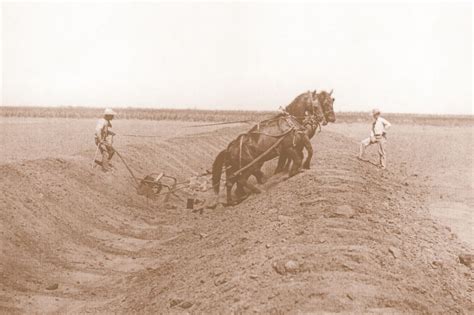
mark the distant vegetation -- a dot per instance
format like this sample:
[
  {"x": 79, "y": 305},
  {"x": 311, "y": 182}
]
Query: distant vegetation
[
  {"x": 136, "y": 113},
  {"x": 217, "y": 115}
]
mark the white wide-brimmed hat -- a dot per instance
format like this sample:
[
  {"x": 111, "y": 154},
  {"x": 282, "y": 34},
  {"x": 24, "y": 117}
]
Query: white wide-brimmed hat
[
  {"x": 375, "y": 111},
  {"x": 109, "y": 111}
]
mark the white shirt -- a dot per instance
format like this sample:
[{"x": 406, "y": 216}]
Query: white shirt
[
  {"x": 379, "y": 126},
  {"x": 102, "y": 128}
]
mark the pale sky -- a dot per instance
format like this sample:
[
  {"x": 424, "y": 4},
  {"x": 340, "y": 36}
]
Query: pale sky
[{"x": 400, "y": 57}]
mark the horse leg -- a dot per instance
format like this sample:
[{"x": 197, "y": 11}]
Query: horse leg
[
  {"x": 281, "y": 163},
  {"x": 287, "y": 165},
  {"x": 295, "y": 157},
  {"x": 240, "y": 192},
  {"x": 230, "y": 181},
  {"x": 243, "y": 180},
  {"x": 309, "y": 149},
  {"x": 300, "y": 153},
  {"x": 229, "y": 186},
  {"x": 259, "y": 176}
]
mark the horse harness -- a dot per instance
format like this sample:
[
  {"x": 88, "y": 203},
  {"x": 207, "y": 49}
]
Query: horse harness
[{"x": 295, "y": 127}]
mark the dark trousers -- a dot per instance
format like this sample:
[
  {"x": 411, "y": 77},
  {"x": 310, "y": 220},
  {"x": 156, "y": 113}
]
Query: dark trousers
[{"x": 107, "y": 152}]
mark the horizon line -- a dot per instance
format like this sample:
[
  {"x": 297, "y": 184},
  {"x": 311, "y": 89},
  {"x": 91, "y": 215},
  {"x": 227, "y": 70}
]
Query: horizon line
[{"x": 129, "y": 108}]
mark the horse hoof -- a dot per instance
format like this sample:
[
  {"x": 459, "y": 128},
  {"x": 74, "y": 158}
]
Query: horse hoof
[
  {"x": 295, "y": 173},
  {"x": 241, "y": 197},
  {"x": 212, "y": 206}
]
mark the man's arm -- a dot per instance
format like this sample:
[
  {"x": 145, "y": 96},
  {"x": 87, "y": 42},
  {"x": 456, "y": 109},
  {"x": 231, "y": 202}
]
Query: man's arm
[{"x": 386, "y": 124}]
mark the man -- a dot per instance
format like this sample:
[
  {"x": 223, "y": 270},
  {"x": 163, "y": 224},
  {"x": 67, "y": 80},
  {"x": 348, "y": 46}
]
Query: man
[
  {"x": 102, "y": 131},
  {"x": 377, "y": 136}
]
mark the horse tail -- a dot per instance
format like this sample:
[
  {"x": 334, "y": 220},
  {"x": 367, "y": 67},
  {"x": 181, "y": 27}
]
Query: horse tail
[{"x": 217, "y": 170}]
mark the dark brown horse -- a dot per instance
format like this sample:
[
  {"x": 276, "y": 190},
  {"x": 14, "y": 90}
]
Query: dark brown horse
[
  {"x": 265, "y": 141},
  {"x": 302, "y": 106},
  {"x": 311, "y": 125},
  {"x": 323, "y": 113}
]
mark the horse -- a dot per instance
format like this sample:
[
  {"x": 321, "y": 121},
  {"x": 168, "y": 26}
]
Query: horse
[
  {"x": 324, "y": 105},
  {"x": 265, "y": 141},
  {"x": 302, "y": 105},
  {"x": 311, "y": 125},
  {"x": 306, "y": 103}
]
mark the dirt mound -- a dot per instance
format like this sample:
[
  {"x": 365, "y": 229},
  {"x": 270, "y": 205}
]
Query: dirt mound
[{"x": 341, "y": 237}]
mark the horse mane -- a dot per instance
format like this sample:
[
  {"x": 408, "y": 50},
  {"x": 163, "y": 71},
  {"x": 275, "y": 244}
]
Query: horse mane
[
  {"x": 323, "y": 95},
  {"x": 297, "y": 100}
]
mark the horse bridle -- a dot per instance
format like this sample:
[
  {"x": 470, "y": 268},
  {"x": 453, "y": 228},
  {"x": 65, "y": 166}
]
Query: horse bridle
[
  {"x": 312, "y": 121},
  {"x": 325, "y": 111}
]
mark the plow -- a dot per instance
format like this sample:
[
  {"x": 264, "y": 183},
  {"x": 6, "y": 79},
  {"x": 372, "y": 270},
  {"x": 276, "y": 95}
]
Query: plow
[
  {"x": 153, "y": 185},
  {"x": 158, "y": 184}
]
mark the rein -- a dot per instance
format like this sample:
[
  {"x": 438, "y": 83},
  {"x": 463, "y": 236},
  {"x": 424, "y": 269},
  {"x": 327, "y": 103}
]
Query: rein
[{"x": 293, "y": 125}]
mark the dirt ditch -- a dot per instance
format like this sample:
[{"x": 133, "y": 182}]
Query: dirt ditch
[{"x": 341, "y": 237}]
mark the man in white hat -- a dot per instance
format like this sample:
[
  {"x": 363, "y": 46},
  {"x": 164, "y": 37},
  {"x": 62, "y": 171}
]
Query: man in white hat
[
  {"x": 102, "y": 131},
  {"x": 377, "y": 136}
]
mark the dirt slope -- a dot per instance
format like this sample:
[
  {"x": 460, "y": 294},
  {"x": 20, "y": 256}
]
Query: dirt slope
[
  {"x": 439, "y": 158},
  {"x": 342, "y": 237}
]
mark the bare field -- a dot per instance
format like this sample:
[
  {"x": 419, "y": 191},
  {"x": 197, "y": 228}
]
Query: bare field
[
  {"x": 441, "y": 158},
  {"x": 25, "y": 138},
  {"x": 341, "y": 237}
]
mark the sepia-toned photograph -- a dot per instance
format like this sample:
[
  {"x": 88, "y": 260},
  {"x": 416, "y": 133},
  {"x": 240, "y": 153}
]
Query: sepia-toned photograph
[{"x": 236, "y": 157}]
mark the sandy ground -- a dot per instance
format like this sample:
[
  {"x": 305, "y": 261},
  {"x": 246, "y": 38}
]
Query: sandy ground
[
  {"x": 343, "y": 237},
  {"x": 442, "y": 158}
]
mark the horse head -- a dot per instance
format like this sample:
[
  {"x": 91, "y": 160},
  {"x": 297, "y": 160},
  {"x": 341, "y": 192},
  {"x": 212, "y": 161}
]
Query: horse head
[
  {"x": 318, "y": 114},
  {"x": 326, "y": 102}
]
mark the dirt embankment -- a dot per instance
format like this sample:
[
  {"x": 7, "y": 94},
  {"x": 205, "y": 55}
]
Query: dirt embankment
[
  {"x": 342, "y": 237},
  {"x": 437, "y": 159}
]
